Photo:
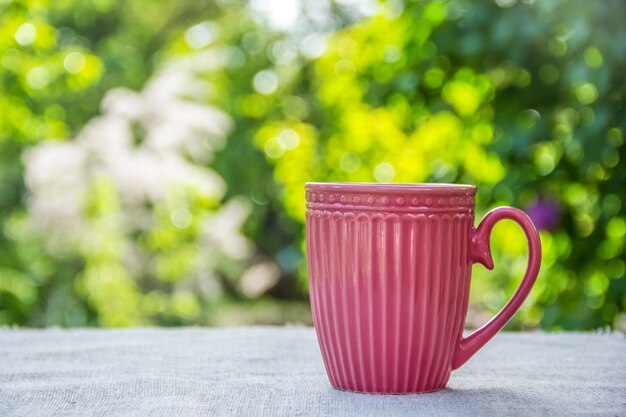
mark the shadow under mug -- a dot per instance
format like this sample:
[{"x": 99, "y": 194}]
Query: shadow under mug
[{"x": 389, "y": 276}]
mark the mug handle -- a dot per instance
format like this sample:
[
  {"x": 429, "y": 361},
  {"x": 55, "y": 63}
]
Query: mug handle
[{"x": 480, "y": 252}]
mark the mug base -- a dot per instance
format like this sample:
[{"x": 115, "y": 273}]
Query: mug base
[{"x": 356, "y": 391}]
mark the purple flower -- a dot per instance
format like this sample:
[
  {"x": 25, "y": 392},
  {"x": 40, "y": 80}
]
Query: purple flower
[{"x": 545, "y": 213}]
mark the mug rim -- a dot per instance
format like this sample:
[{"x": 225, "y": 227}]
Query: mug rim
[{"x": 382, "y": 187}]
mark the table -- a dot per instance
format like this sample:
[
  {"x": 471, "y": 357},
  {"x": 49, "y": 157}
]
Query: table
[{"x": 278, "y": 371}]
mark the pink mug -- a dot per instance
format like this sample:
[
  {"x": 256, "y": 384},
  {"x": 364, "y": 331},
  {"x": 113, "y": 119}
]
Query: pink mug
[{"x": 389, "y": 277}]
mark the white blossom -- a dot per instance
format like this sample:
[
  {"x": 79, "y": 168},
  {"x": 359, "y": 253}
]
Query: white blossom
[
  {"x": 146, "y": 144},
  {"x": 221, "y": 229}
]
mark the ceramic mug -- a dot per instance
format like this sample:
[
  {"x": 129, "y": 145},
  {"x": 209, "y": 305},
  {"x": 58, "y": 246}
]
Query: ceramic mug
[{"x": 389, "y": 276}]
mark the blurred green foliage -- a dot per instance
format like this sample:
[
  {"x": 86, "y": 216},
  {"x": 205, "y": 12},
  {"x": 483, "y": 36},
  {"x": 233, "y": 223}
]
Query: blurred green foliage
[
  {"x": 58, "y": 59},
  {"x": 524, "y": 99}
]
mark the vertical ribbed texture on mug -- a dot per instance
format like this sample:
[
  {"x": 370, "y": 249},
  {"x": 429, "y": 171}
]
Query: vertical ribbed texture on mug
[{"x": 388, "y": 295}]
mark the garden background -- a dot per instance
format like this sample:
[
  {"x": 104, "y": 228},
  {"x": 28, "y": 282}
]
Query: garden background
[{"x": 153, "y": 154}]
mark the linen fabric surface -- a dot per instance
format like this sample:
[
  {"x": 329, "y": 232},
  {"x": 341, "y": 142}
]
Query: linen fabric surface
[{"x": 278, "y": 371}]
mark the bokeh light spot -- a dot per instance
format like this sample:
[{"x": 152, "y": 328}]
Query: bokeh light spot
[
  {"x": 349, "y": 162},
  {"x": 200, "y": 35},
  {"x": 181, "y": 218},
  {"x": 273, "y": 149},
  {"x": 596, "y": 284},
  {"x": 313, "y": 46},
  {"x": 38, "y": 77},
  {"x": 384, "y": 172},
  {"x": 288, "y": 139},
  {"x": 25, "y": 34},
  {"x": 259, "y": 197},
  {"x": 463, "y": 97},
  {"x": 584, "y": 225},
  {"x": 610, "y": 157},
  {"x": 586, "y": 93},
  {"x": 283, "y": 52},
  {"x": 345, "y": 67},
  {"x": 185, "y": 304},
  {"x": 234, "y": 57},
  {"x": 265, "y": 82},
  {"x": 593, "y": 57},
  {"x": 545, "y": 158},
  {"x": 11, "y": 59},
  {"x": 611, "y": 204},
  {"x": 74, "y": 62},
  {"x": 616, "y": 228},
  {"x": 609, "y": 249},
  {"x": 616, "y": 268},
  {"x": 528, "y": 118},
  {"x": 433, "y": 78},
  {"x": 615, "y": 137},
  {"x": 506, "y": 3},
  {"x": 558, "y": 47},
  {"x": 435, "y": 12},
  {"x": 392, "y": 53},
  {"x": 279, "y": 14},
  {"x": 522, "y": 78},
  {"x": 296, "y": 107}
]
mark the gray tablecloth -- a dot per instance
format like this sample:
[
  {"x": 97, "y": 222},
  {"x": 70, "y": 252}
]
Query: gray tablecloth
[{"x": 270, "y": 371}]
